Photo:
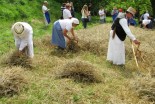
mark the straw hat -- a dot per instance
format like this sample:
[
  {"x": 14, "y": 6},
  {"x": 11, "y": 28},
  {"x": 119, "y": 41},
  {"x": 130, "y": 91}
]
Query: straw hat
[
  {"x": 131, "y": 10},
  {"x": 18, "y": 28},
  {"x": 75, "y": 21}
]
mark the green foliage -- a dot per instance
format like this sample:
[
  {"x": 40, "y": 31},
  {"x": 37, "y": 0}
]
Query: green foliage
[
  {"x": 25, "y": 9},
  {"x": 140, "y": 5}
]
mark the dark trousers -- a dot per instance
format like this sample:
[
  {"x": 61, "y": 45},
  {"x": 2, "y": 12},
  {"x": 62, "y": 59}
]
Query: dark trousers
[
  {"x": 84, "y": 22},
  {"x": 150, "y": 25}
]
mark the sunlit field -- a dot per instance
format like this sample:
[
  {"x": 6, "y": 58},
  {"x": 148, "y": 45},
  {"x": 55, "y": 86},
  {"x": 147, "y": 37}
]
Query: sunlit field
[{"x": 80, "y": 76}]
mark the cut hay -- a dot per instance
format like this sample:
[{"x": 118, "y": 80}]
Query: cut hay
[
  {"x": 94, "y": 40},
  {"x": 144, "y": 55},
  {"x": 19, "y": 60},
  {"x": 73, "y": 46},
  {"x": 96, "y": 47},
  {"x": 43, "y": 42},
  {"x": 145, "y": 87},
  {"x": 11, "y": 82},
  {"x": 46, "y": 41},
  {"x": 80, "y": 71}
]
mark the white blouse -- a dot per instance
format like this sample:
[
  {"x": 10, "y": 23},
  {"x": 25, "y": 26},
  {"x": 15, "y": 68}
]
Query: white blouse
[
  {"x": 124, "y": 24},
  {"x": 66, "y": 24}
]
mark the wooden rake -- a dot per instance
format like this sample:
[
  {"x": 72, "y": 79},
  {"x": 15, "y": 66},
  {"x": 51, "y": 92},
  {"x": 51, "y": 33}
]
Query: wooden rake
[{"x": 135, "y": 52}]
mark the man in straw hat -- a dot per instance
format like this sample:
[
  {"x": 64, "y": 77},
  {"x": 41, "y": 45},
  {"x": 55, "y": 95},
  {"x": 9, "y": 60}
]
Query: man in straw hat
[
  {"x": 60, "y": 30},
  {"x": 46, "y": 13},
  {"x": 67, "y": 12},
  {"x": 116, "y": 48},
  {"x": 23, "y": 32}
]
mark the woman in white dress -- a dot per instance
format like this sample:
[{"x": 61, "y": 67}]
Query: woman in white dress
[{"x": 120, "y": 29}]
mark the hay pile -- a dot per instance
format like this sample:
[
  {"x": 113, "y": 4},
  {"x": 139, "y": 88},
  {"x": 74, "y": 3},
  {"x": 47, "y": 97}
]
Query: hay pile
[
  {"x": 80, "y": 71},
  {"x": 144, "y": 87},
  {"x": 96, "y": 47},
  {"x": 147, "y": 57},
  {"x": 94, "y": 40},
  {"x": 11, "y": 82},
  {"x": 73, "y": 46},
  {"x": 18, "y": 60}
]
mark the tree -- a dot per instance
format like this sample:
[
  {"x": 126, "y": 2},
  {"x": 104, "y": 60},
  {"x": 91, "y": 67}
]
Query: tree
[
  {"x": 140, "y": 5},
  {"x": 153, "y": 6}
]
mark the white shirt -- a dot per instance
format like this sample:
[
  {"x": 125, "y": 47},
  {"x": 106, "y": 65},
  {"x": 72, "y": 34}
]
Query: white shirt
[
  {"x": 66, "y": 14},
  {"x": 124, "y": 24},
  {"x": 84, "y": 15},
  {"x": 66, "y": 24},
  {"x": 44, "y": 9},
  {"x": 24, "y": 39},
  {"x": 146, "y": 22},
  {"x": 101, "y": 14},
  {"x": 146, "y": 15}
]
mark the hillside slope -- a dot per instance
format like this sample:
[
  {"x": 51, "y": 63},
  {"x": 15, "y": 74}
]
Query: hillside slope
[
  {"x": 121, "y": 85},
  {"x": 26, "y": 9}
]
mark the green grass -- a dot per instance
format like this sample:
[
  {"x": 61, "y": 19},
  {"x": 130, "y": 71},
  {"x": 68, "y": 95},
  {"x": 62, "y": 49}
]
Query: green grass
[{"x": 44, "y": 88}]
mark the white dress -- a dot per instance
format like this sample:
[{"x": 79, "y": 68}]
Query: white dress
[
  {"x": 24, "y": 39},
  {"x": 116, "y": 48}
]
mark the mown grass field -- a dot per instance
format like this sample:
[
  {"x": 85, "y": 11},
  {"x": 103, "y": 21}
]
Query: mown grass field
[{"x": 120, "y": 85}]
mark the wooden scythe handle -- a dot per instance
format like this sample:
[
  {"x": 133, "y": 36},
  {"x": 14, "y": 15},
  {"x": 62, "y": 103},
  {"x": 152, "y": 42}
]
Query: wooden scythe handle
[{"x": 134, "y": 54}]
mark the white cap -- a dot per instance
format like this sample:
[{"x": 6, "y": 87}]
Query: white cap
[
  {"x": 18, "y": 28},
  {"x": 75, "y": 20}
]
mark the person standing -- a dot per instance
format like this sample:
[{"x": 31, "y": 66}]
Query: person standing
[
  {"x": 120, "y": 29},
  {"x": 23, "y": 35},
  {"x": 60, "y": 30},
  {"x": 102, "y": 15},
  {"x": 85, "y": 14},
  {"x": 67, "y": 12},
  {"x": 46, "y": 13},
  {"x": 114, "y": 13}
]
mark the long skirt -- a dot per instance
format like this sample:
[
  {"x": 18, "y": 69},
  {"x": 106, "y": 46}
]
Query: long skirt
[
  {"x": 47, "y": 18},
  {"x": 57, "y": 36},
  {"x": 116, "y": 50}
]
